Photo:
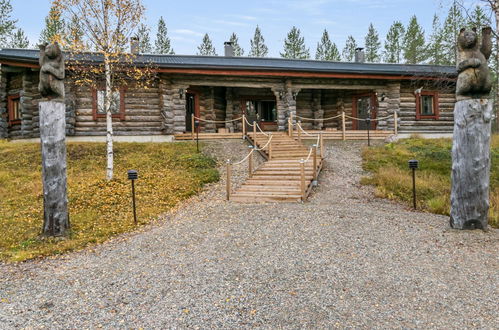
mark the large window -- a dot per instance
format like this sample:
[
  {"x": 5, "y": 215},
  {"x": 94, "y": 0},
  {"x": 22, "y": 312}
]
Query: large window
[
  {"x": 427, "y": 105},
  {"x": 261, "y": 110},
  {"x": 14, "y": 109},
  {"x": 117, "y": 104}
]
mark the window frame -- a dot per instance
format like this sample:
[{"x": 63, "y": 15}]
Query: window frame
[
  {"x": 436, "y": 111},
  {"x": 10, "y": 109},
  {"x": 121, "y": 113}
]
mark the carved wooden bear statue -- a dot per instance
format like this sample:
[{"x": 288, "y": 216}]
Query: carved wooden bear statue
[
  {"x": 474, "y": 79},
  {"x": 52, "y": 71}
]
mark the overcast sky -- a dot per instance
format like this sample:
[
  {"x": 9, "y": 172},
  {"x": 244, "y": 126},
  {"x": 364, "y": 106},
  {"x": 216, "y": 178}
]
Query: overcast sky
[{"x": 187, "y": 21}]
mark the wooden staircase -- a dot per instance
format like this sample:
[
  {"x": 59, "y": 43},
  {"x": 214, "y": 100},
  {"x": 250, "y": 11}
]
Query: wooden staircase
[{"x": 280, "y": 178}]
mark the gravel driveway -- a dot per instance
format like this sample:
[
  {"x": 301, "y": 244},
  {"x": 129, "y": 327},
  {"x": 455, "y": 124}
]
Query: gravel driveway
[{"x": 343, "y": 259}]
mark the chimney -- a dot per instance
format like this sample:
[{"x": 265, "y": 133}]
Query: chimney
[
  {"x": 229, "y": 49},
  {"x": 360, "y": 57},
  {"x": 134, "y": 45}
]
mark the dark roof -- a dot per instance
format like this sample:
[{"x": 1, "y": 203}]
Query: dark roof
[{"x": 254, "y": 63}]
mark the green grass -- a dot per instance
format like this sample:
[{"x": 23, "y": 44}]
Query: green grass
[
  {"x": 392, "y": 178},
  {"x": 168, "y": 174}
]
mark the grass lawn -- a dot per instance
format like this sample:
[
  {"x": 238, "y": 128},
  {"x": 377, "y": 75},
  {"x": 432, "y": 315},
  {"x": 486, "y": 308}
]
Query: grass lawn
[
  {"x": 168, "y": 174},
  {"x": 393, "y": 179}
]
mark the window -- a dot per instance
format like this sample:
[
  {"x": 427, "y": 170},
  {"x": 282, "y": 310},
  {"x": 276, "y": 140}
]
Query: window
[
  {"x": 427, "y": 105},
  {"x": 14, "y": 109},
  {"x": 261, "y": 110},
  {"x": 117, "y": 104}
]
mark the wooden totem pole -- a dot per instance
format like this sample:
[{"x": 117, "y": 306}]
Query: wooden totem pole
[
  {"x": 53, "y": 141},
  {"x": 472, "y": 125}
]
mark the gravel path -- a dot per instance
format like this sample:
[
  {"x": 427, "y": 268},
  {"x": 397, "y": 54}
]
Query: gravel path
[{"x": 344, "y": 259}]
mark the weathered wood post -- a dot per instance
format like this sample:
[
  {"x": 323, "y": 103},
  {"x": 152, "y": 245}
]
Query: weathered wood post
[
  {"x": 254, "y": 131},
  {"x": 322, "y": 145},
  {"x": 302, "y": 179},
  {"x": 298, "y": 127},
  {"x": 472, "y": 126},
  {"x": 250, "y": 163},
  {"x": 52, "y": 112},
  {"x": 315, "y": 163},
  {"x": 244, "y": 126},
  {"x": 291, "y": 128},
  {"x": 270, "y": 148},
  {"x": 193, "y": 127},
  {"x": 343, "y": 126}
]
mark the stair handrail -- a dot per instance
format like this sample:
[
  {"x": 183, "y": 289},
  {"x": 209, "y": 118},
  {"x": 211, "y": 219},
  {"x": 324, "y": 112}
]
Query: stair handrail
[{"x": 266, "y": 144}]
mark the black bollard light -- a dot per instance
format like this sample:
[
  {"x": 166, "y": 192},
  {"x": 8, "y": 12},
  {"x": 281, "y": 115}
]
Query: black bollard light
[
  {"x": 133, "y": 175},
  {"x": 413, "y": 165},
  {"x": 196, "y": 127},
  {"x": 368, "y": 121}
]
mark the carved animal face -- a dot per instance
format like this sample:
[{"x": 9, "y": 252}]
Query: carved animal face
[
  {"x": 467, "y": 39},
  {"x": 52, "y": 51}
]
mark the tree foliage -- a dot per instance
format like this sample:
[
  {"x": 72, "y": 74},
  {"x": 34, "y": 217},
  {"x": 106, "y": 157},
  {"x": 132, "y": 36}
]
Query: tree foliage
[
  {"x": 435, "y": 51},
  {"x": 162, "y": 43},
  {"x": 238, "y": 51},
  {"x": 393, "y": 43},
  {"x": 142, "y": 35},
  {"x": 7, "y": 24},
  {"x": 414, "y": 43},
  {"x": 449, "y": 32},
  {"x": 348, "y": 52},
  {"x": 19, "y": 39},
  {"x": 326, "y": 49},
  {"x": 372, "y": 44},
  {"x": 206, "y": 48},
  {"x": 258, "y": 47},
  {"x": 74, "y": 34},
  {"x": 55, "y": 26},
  {"x": 294, "y": 45}
]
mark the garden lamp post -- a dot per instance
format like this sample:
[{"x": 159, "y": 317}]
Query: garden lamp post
[
  {"x": 133, "y": 175},
  {"x": 196, "y": 127},
  {"x": 413, "y": 165}
]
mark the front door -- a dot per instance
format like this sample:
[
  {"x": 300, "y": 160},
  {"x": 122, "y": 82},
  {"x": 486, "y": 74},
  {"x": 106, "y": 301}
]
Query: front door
[
  {"x": 363, "y": 107},
  {"x": 262, "y": 111},
  {"x": 190, "y": 109}
]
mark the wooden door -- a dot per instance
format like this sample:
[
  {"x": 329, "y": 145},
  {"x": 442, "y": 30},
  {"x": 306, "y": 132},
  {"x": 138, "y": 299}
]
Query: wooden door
[{"x": 363, "y": 107}]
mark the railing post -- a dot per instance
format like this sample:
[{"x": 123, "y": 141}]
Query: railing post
[
  {"x": 298, "y": 126},
  {"x": 270, "y": 148},
  {"x": 250, "y": 163},
  {"x": 343, "y": 125},
  {"x": 315, "y": 163},
  {"x": 291, "y": 124},
  {"x": 395, "y": 122},
  {"x": 229, "y": 173},
  {"x": 244, "y": 126},
  {"x": 254, "y": 131},
  {"x": 302, "y": 181},
  {"x": 321, "y": 142},
  {"x": 193, "y": 127},
  {"x": 290, "y": 128}
]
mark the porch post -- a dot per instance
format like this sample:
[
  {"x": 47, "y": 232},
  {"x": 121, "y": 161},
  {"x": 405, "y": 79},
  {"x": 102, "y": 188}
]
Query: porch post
[
  {"x": 229, "y": 109},
  {"x": 291, "y": 95},
  {"x": 281, "y": 107}
]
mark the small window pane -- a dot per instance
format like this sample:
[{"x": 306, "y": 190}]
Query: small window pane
[
  {"x": 115, "y": 102},
  {"x": 427, "y": 105}
]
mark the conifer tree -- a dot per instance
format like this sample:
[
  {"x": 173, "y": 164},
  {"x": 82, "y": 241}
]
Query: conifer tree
[
  {"x": 238, "y": 51},
  {"x": 478, "y": 19},
  {"x": 7, "y": 24},
  {"x": 54, "y": 26},
  {"x": 206, "y": 48},
  {"x": 19, "y": 39},
  {"x": 74, "y": 34},
  {"x": 142, "y": 35},
  {"x": 294, "y": 45},
  {"x": 393, "y": 43},
  {"x": 348, "y": 52},
  {"x": 450, "y": 30},
  {"x": 414, "y": 43},
  {"x": 162, "y": 43},
  {"x": 373, "y": 45},
  {"x": 326, "y": 49},
  {"x": 258, "y": 47},
  {"x": 435, "y": 50}
]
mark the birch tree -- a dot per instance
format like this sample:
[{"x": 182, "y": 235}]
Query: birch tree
[{"x": 107, "y": 25}]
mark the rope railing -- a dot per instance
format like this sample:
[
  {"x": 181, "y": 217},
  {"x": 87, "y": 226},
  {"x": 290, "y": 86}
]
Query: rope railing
[
  {"x": 372, "y": 119},
  {"x": 217, "y": 121},
  {"x": 317, "y": 119}
]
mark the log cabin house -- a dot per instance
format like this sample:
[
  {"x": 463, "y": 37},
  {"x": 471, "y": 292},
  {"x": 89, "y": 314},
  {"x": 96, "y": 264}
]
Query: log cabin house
[{"x": 219, "y": 88}]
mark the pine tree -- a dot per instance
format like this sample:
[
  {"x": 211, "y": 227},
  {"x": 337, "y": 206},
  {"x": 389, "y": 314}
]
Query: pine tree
[
  {"x": 238, "y": 51},
  {"x": 434, "y": 50},
  {"x": 414, "y": 43},
  {"x": 348, "y": 52},
  {"x": 142, "y": 35},
  {"x": 7, "y": 24},
  {"x": 19, "y": 39},
  {"x": 294, "y": 45},
  {"x": 326, "y": 49},
  {"x": 206, "y": 48},
  {"x": 74, "y": 34},
  {"x": 450, "y": 30},
  {"x": 258, "y": 47},
  {"x": 373, "y": 45},
  {"x": 162, "y": 43},
  {"x": 478, "y": 19},
  {"x": 54, "y": 26},
  {"x": 393, "y": 43}
]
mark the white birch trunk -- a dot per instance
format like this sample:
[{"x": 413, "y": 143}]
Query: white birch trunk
[
  {"x": 53, "y": 145},
  {"x": 471, "y": 164},
  {"x": 109, "y": 123}
]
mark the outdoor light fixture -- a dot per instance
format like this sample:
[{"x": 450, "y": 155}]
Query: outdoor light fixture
[
  {"x": 181, "y": 91},
  {"x": 281, "y": 95},
  {"x": 368, "y": 121},
  {"x": 196, "y": 127},
  {"x": 382, "y": 97},
  {"x": 133, "y": 175},
  {"x": 413, "y": 165},
  {"x": 294, "y": 94}
]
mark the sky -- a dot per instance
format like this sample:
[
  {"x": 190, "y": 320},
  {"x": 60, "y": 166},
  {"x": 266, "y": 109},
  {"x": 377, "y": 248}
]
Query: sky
[{"x": 188, "y": 21}]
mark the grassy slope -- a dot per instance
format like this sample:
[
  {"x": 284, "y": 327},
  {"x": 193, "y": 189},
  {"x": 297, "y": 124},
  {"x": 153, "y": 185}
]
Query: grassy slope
[
  {"x": 168, "y": 173},
  {"x": 392, "y": 178}
]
